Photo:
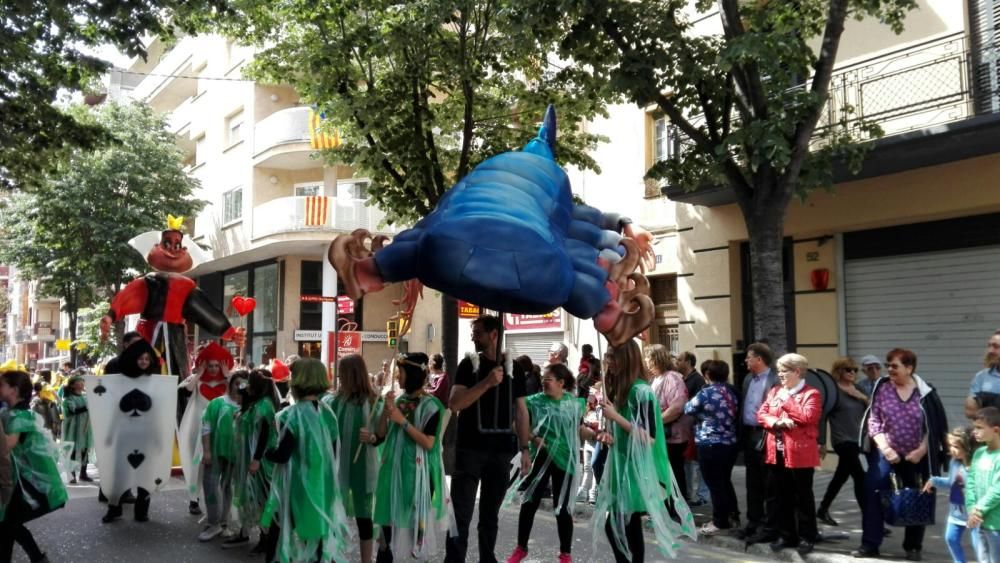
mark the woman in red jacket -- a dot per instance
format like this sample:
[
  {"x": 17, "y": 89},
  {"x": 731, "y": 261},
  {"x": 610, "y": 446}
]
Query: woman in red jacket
[{"x": 790, "y": 414}]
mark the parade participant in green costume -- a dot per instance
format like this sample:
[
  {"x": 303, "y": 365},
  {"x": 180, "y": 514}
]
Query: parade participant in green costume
[
  {"x": 76, "y": 425},
  {"x": 38, "y": 486},
  {"x": 556, "y": 416},
  {"x": 356, "y": 404},
  {"x": 255, "y": 433},
  {"x": 637, "y": 478},
  {"x": 218, "y": 436},
  {"x": 411, "y": 501},
  {"x": 305, "y": 512}
]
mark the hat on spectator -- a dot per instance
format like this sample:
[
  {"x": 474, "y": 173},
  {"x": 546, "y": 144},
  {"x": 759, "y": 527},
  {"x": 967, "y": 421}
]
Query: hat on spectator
[{"x": 869, "y": 360}]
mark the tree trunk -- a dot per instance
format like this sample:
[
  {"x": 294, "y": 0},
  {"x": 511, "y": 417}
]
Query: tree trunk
[
  {"x": 766, "y": 230},
  {"x": 71, "y": 310},
  {"x": 449, "y": 334}
]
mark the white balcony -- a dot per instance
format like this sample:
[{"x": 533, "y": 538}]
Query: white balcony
[
  {"x": 299, "y": 215},
  {"x": 281, "y": 140},
  {"x": 170, "y": 82}
]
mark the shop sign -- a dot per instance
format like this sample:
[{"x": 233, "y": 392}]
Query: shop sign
[
  {"x": 345, "y": 305},
  {"x": 467, "y": 310},
  {"x": 316, "y": 299},
  {"x": 308, "y": 335},
  {"x": 533, "y": 323},
  {"x": 374, "y": 336},
  {"x": 347, "y": 342}
]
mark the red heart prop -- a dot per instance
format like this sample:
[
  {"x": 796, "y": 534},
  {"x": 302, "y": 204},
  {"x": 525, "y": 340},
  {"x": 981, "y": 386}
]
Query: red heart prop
[{"x": 243, "y": 305}]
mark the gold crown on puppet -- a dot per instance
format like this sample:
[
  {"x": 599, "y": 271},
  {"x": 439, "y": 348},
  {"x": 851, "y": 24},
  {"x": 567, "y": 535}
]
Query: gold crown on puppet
[{"x": 175, "y": 223}]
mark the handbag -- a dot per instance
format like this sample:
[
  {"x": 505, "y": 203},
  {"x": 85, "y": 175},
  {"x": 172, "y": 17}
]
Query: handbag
[{"x": 906, "y": 506}]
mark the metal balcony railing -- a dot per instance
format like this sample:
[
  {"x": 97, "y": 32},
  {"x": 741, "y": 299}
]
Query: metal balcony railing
[
  {"x": 316, "y": 213},
  {"x": 937, "y": 82}
]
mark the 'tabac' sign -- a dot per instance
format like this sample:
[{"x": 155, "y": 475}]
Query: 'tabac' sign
[
  {"x": 467, "y": 310},
  {"x": 525, "y": 323}
]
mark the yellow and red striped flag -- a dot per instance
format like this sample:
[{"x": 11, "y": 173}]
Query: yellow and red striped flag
[
  {"x": 317, "y": 207},
  {"x": 318, "y": 139}
]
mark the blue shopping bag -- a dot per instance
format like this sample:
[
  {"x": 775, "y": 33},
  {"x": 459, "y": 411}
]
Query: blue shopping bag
[{"x": 905, "y": 506}]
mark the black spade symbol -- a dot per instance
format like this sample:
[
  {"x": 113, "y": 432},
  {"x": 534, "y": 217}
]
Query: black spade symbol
[
  {"x": 135, "y": 459},
  {"x": 158, "y": 481},
  {"x": 100, "y": 389},
  {"x": 135, "y": 401}
]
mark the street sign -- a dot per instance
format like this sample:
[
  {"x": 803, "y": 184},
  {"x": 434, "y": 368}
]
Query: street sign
[
  {"x": 345, "y": 305},
  {"x": 317, "y": 299},
  {"x": 467, "y": 310}
]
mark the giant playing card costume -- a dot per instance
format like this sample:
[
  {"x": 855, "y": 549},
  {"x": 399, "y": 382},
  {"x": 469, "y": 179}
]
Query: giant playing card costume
[{"x": 165, "y": 300}]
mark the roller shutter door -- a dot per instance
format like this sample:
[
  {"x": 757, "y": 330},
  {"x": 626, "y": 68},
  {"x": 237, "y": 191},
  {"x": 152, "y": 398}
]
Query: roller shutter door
[
  {"x": 535, "y": 345},
  {"x": 942, "y": 305}
]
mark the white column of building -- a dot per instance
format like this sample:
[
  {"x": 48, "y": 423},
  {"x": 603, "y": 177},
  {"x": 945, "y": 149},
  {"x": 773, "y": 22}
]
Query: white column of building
[{"x": 327, "y": 353}]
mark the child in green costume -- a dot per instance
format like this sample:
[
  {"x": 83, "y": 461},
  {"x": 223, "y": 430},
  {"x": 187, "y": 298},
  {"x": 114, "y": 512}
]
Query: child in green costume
[
  {"x": 218, "y": 436},
  {"x": 411, "y": 500},
  {"x": 76, "y": 427},
  {"x": 255, "y": 433},
  {"x": 556, "y": 416},
  {"x": 637, "y": 477},
  {"x": 304, "y": 511},
  {"x": 356, "y": 405},
  {"x": 38, "y": 486}
]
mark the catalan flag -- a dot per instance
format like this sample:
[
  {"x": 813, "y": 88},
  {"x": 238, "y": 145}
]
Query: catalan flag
[
  {"x": 317, "y": 138},
  {"x": 317, "y": 207}
]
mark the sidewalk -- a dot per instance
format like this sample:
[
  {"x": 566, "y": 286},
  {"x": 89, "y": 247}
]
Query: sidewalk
[{"x": 839, "y": 541}]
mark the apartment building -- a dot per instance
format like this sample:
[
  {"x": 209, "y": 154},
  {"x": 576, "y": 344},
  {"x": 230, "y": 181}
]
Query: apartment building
[
  {"x": 32, "y": 325},
  {"x": 273, "y": 205},
  {"x": 906, "y": 253}
]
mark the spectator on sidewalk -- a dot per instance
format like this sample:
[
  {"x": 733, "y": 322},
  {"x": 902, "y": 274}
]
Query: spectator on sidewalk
[
  {"x": 558, "y": 353},
  {"x": 960, "y": 448},
  {"x": 906, "y": 422},
  {"x": 873, "y": 372},
  {"x": 489, "y": 403},
  {"x": 790, "y": 414},
  {"x": 985, "y": 388},
  {"x": 532, "y": 375},
  {"x": 671, "y": 394},
  {"x": 982, "y": 499},
  {"x": 715, "y": 407},
  {"x": 755, "y": 387},
  {"x": 609, "y": 369},
  {"x": 588, "y": 373},
  {"x": 697, "y": 490},
  {"x": 437, "y": 379},
  {"x": 845, "y": 424}
]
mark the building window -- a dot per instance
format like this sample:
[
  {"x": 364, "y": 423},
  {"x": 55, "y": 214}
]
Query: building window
[
  {"x": 311, "y": 313},
  {"x": 312, "y": 188},
  {"x": 234, "y": 126},
  {"x": 236, "y": 283},
  {"x": 232, "y": 205},
  {"x": 353, "y": 190},
  {"x": 661, "y": 139},
  {"x": 200, "y": 150},
  {"x": 265, "y": 291}
]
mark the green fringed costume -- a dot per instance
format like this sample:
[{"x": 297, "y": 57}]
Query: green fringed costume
[
  {"x": 220, "y": 416},
  {"x": 76, "y": 424},
  {"x": 251, "y": 491},
  {"x": 305, "y": 500},
  {"x": 357, "y": 478},
  {"x": 557, "y": 423},
  {"x": 411, "y": 497},
  {"x": 38, "y": 485},
  {"x": 637, "y": 478}
]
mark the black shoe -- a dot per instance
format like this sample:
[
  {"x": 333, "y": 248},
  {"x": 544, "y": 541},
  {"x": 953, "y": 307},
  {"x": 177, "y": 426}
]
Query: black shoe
[
  {"x": 865, "y": 551},
  {"x": 101, "y": 497},
  {"x": 780, "y": 544},
  {"x": 744, "y": 533},
  {"x": 886, "y": 532},
  {"x": 235, "y": 541},
  {"x": 86, "y": 478},
  {"x": 383, "y": 556},
  {"x": 260, "y": 548},
  {"x": 114, "y": 513},
  {"x": 805, "y": 547},
  {"x": 142, "y": 509},
  {"x": 763, "y": 536},
  {"x": 824, "y": 516},
  {"x": 194, "y": 509},
  {"x": 913, "y": 555}
]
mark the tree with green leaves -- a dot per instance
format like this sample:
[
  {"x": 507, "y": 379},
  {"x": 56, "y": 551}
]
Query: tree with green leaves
[
  {"x": 420, "y": 92},
  {"x": 71, "y": 231},
  {"x": 746, "y": 102},
  {"x": 43, "y": 46}
]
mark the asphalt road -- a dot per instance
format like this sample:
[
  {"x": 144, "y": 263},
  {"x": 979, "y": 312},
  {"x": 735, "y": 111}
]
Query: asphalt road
[{"x": 76, "y": 534}]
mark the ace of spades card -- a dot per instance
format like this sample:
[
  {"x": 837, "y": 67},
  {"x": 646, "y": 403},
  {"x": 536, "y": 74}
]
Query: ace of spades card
[{"x": 133, "y": 422}]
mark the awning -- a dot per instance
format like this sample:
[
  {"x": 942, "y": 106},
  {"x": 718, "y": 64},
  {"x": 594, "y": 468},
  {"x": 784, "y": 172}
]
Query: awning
[{"x": 53, "y": 360}]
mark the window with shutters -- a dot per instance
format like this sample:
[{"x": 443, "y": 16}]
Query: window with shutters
[{"x": 984, "y": 25}]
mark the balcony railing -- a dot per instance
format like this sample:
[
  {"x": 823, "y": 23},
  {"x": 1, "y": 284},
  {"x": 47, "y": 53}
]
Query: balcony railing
[
  {"x": 21, "y": 336},
  {"x": 934, "y": 83},
  {"x": 315, "y": 214},
  {"x": 289, "y": 125}
]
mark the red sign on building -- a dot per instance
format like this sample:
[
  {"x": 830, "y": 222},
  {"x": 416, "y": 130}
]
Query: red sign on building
[
  {"x": 345, "y": 305},
  {"x": 346, "y": 342},
  {"x": 533, "y": 323},
  {"x": 316, "y": 299},
  {"x": 467, "y": 310}
]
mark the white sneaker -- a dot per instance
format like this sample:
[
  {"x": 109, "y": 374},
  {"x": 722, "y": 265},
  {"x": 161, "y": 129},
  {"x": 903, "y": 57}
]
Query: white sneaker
[
  {"x": 227, "y": 533},
  {"x": 210, "y": 532}
]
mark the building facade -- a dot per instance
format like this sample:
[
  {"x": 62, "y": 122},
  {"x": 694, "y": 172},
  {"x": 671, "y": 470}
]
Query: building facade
[{"x": 904, "y": 254}]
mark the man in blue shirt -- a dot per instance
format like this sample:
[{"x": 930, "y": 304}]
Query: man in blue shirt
[
  {"x": 872, "y": 368},
  {"x": 985, "y": 388},
  {"x": 760, "y": 509}
]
